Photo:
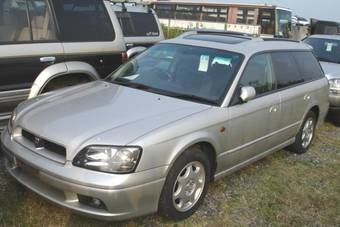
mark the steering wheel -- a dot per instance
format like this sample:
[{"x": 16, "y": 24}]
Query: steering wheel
[{"x": 162, "y": 74}]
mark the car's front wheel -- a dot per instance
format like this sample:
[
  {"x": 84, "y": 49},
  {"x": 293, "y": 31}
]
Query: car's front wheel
[{"x": 186, "y": 185}]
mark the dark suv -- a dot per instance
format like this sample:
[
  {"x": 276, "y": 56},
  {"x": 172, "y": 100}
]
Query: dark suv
[{"x": 39, "y": 35}]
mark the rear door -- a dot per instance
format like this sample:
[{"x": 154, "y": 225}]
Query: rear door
[
  {"x": 28, "y": 44},
  {"x": 294, "y": 71},
  {"x": 90, "y": 32}
]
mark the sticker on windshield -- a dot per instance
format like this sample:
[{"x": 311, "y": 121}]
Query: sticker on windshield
[
  {"x": 204, "y": 63},
  {"x": 330, "y": 46}
]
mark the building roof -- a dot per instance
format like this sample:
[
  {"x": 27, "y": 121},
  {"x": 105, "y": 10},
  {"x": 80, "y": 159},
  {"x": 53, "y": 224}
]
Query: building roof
[{"x": 197, "y": 2}]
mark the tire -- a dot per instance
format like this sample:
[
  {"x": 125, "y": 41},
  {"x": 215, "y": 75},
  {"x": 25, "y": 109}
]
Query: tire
[
  {"x": 172, "y": 203},
  {"x": 305, "y": 137}
]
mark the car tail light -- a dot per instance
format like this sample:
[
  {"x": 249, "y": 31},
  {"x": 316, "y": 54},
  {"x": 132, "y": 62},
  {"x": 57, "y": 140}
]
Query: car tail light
[{"x": 125, "y": 57}]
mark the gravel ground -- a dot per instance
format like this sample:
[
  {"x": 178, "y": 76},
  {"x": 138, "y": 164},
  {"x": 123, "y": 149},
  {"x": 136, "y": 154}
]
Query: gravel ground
[{"x": 281, "y": 190}]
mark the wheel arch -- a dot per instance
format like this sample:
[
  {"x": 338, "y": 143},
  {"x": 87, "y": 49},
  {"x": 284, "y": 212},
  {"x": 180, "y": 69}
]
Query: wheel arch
[
  {"x": 69, "y": 69},
  {"x": 207, "y": 146}
]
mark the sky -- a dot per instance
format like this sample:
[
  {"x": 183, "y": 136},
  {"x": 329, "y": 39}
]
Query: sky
[{"x": 319, "y": 9}]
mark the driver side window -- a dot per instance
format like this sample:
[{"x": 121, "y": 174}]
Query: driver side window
[{"x": 259, "y": 74}]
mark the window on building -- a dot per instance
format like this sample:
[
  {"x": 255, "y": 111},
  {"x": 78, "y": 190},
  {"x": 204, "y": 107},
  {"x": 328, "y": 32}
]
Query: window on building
[
  {"x": 267, "y": 21},
  {"x": 214, "y": 14},
  {"x": 188, "y": 12},
  {"x": 246, "y": 16},
  {"x": 165, "y": 11}
]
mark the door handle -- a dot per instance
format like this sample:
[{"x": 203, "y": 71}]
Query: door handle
[
  {"x": 47, "y": 59},
  {"x": 273, "y": 109},
  {"x": 306, "y": 97}
]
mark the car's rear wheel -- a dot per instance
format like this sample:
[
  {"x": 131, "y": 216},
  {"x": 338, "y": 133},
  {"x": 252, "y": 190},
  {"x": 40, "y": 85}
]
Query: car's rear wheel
[
  {"x": 305, "y": 136},
  {"x": 186, "y": 185}
]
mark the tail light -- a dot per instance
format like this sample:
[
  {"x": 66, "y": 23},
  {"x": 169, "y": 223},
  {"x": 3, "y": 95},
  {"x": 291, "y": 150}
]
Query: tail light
[{"x": 125, "y": 57}]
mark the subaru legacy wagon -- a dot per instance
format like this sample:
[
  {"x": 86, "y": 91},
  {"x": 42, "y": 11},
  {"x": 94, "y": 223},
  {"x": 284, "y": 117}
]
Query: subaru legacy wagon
[{"x": 152, "y": 135}]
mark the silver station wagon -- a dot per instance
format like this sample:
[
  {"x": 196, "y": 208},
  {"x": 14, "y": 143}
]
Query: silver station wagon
[{"x": 154, "y": 134}]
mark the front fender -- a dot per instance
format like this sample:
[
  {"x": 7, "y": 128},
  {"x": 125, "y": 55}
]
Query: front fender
[{"x": 61, "y": 69}]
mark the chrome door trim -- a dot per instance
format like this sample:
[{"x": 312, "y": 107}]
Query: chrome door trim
[
  {"x": 258, "y": 140},
  {"x": 14, "y": 95}
]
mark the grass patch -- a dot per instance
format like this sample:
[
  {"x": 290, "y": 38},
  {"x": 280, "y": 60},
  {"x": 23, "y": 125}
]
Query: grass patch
[{"x": 281, "y": 190}]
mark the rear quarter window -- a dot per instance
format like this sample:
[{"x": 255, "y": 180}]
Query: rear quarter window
[
  {"x": 308, "y": 66},
  {"x": 135, "y": 24}
]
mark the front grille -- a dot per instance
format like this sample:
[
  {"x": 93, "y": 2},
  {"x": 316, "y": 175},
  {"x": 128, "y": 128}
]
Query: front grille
[{"x": 39, "y": 143}]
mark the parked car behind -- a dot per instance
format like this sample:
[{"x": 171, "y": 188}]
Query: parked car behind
[
  {"x": 54, "y": 44},
  {"x": 140, "y": 25},
  {"x": 155, "y": 133},
  {"x": 327, "y": 49}
]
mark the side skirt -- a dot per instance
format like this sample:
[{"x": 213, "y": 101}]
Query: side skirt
[{"x": 253, "y": 159}]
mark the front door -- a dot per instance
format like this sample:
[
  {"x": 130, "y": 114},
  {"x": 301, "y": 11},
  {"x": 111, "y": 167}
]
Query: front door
[{"x": 252, "y": 125}]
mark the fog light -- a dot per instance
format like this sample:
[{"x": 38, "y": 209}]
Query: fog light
[
  {"x": 96, "y": 203},
  {"x": 91, "y": 201}
]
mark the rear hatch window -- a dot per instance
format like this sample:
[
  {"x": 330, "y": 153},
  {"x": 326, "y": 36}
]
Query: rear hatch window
[{"x": 136, "y": 24}]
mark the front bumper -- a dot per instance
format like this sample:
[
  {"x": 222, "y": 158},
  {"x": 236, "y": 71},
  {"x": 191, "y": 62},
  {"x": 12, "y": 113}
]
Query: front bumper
[
  {"x": 334, "y": 109},
  {"x": 122, "y": 196}
]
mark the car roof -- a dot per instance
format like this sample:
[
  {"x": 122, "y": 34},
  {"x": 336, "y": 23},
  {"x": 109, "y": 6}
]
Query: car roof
[
  {"x": 335, "y": 37},
  {"x": 236, "y": 42}
]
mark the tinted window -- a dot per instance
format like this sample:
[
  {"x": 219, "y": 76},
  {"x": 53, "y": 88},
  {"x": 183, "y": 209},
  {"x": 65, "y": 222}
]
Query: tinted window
[
  {"x": 325, "y": 49},
  {"x": 13, "y": 21},
  {"x": 259, "y": 74},
  {"x": 308, "y": 66},
  {"x": 138, "y": 24},
  {"x": 194, "y": 73},
  {"x": 286, "y": 70},
  {"x": 41, "y": 20},
  {"x": 85, "y": 20}
]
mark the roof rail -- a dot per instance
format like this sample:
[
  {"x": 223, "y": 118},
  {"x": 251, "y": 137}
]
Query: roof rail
[
  {"x": 280, "y": 39},
  {"x": 222, "y": 32}
]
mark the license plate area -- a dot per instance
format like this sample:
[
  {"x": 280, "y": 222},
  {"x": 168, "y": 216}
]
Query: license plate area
[{"x": 26, "y": 168}]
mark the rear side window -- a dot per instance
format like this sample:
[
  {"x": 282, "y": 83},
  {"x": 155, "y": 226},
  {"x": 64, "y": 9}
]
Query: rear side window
[
  {"x": 309, "y": 67},
  {"x": 286, "y": 70},
  {"x": 23, "y": 21},
  {"x": 83, "y": 21},
  {"x": 136, "y": 24},
  {"x": 41, "y": 20}
]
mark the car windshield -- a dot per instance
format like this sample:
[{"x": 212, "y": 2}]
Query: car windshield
[
  {"x": 325, "y": 49},
  {"x": 193, "y": 73}
]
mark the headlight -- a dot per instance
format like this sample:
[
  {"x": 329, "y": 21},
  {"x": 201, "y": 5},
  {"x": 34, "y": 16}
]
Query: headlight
[
  {"x": 110, "y": 159},
  {"x": 12, "y": 120},
  {"x": 334, "y": 86}
]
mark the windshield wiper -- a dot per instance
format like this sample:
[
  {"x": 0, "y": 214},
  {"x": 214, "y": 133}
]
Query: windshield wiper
[
  {"x": 326, "y": 60},
  {"x": 163, "y": 92},
  {"x": 131, "y": 84},
  {"x": 194, "y": 98}
]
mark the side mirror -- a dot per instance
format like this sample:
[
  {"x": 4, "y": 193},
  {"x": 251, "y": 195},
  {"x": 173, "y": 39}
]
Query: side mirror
[{"x": 247, "y": 93}]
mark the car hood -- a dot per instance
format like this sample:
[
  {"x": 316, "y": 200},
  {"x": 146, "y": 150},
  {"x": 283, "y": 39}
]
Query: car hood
[
  {"x": 332, "y": 70},
  {"x": 101, "y": 113}
]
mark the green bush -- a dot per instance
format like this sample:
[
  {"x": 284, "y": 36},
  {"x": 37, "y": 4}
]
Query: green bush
[{"x": 170, "y": 33}]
